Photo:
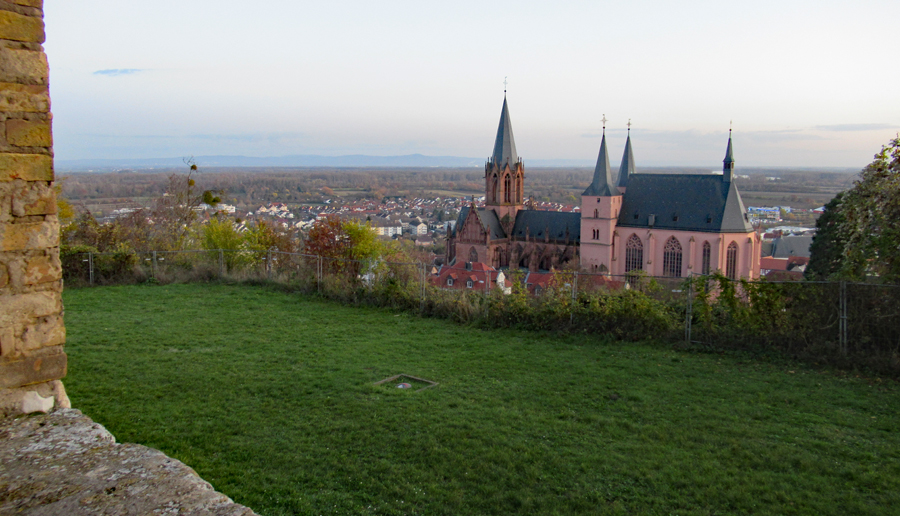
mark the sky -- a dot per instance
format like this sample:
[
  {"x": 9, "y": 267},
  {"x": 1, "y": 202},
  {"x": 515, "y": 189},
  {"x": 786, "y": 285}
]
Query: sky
[{"x": 804, "y": 83}]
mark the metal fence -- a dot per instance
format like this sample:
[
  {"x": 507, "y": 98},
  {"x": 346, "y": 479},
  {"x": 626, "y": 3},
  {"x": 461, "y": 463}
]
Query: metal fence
[{"x": 850, "y": 324}]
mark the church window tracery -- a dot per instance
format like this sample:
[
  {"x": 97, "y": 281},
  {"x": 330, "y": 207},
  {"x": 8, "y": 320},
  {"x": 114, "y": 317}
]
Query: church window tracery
[
  {"x": 707, "y": 253},
  {"x": 507, "y": 187},
  {"x": 473, "y": 255},
  {"x": 731, "y": 261},
  {"x": 672, "y": 258},
  {"x": 634, "y": 254}
]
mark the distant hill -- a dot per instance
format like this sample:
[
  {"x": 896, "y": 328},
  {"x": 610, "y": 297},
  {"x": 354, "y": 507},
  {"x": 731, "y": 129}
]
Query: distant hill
[{"x": 353, "y": 160}]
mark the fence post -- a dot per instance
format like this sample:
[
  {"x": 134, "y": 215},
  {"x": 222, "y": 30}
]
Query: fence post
[
  {"x": 269, "y": 265},
  {"x": 91, "y": 267},
  {"x": 842, "y": 327},
  {"x": 319, "y": 273},
  {"x": 154, "y": 266},
  {"x": 221, "y": 264},
  {"x": 689, "y": 310}
]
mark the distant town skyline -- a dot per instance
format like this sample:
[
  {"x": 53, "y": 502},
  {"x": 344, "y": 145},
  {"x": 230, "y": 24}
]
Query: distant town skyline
[{"x": 805, "y": 83}]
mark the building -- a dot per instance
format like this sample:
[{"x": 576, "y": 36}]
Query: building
[{"x": 670, "y": 225}]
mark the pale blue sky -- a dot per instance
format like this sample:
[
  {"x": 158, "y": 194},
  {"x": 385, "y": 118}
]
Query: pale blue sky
[{"x": 807, "y": 83}]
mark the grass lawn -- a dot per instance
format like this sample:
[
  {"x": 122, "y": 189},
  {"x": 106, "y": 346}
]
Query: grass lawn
[{"x": 270, "y": 397}]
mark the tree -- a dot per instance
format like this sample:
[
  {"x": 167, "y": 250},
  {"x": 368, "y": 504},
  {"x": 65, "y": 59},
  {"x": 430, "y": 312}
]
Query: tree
[
  {"x": 872, "y": 209},
  {"x": 827, "y": 248},
  {"x": 860, "y": 236}
]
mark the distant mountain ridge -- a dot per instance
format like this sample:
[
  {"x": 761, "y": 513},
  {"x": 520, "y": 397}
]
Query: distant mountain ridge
[{"x": 310, "y": 160}]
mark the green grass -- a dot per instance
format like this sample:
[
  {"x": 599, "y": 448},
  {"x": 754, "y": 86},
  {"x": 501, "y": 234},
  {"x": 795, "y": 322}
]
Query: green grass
[{"x": 270, "y": 397}]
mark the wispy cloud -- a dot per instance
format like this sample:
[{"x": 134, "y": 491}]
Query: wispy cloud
[
  {"x": 856, "y": 127},
  {"x": 115, "y": 72}
]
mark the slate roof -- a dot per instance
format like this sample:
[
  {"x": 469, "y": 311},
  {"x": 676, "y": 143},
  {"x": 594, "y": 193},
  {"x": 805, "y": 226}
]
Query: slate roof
[
  {"x": 537, "y": 223},
  {"x": 626, "y": 169},
  {"x": 791, "y": 245},
  {"x": 688, "y": 202},
  {"x": 488, "y": 219},
  {"x": 505, "y": 144},
  {"x": 602, "y": 184}
]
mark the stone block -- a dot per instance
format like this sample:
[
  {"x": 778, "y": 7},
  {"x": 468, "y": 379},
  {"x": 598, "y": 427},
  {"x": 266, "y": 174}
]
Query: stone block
[
  {"x": 32, "y": 235},
  {"x": 30, "y": 167},
  {"x": 19, "y": 310},
  {"x": 28, "y": 98},
  {"x": 33, "y": 402},
  {"x": 50, "y": 331},
  {"x": 32, "y": 370},
  {"x": 42, "y": 269},
  {"x": 4, "y": 276},
  {"x": 18, "y": 27},
  {"x": 39, "y": 4},
  {"x": 23, "y": 66},
  {"x": 7, "y": 341},
  {"x": 36, "y": 198},
  {"x": 26, "y": 133}
]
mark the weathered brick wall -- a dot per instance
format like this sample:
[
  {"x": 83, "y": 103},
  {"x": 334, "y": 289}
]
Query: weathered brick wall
[{"x": 31, "y": 326}]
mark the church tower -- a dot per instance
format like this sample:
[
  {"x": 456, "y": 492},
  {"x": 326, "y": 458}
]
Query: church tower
[
  {"x": 600, "y": 205},
  {"x": 728, "y": 162},
  {"x": 626, "y": 169},
  {"x": 504, "y": 174}
]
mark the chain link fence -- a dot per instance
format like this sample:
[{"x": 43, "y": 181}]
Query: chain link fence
[{"x": 841, "y": 323}]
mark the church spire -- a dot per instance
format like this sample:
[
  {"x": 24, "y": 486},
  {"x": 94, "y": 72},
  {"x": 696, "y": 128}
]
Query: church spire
[
  {"x": 627, "y": 166},
  {"x": 602, "y": 185},
  {"x": 728, "y": 167},
  {"x": 505, "y": 144}
]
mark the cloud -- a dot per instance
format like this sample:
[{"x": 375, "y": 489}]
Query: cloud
[
  {"x": 856, "y": 127},
  {"x": 115, "y": 72}
]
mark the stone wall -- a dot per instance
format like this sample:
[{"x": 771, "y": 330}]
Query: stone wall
[{"x": 32, "y": 333}]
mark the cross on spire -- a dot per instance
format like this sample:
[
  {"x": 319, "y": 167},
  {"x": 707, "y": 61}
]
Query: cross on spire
[
  {"x": 730, "y": 125},
  {"x": 629, "y": 125},
  {"x": 604, "y": 122},
  {"x": 504, "y": 83}
]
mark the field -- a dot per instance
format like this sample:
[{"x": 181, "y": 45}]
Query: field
[{"x": 270, "y": 396}]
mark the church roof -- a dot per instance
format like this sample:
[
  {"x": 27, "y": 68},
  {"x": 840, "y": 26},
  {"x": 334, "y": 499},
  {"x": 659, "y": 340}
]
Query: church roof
[
  {"x": 626, "y": 169},
  {"x": 688, "y": 202},
  {"x": 505, "y": 144},
  {"x": 602, "y": 184},
  {"x": 488, "y": 219},
  {"x": 536, "y": 224}
]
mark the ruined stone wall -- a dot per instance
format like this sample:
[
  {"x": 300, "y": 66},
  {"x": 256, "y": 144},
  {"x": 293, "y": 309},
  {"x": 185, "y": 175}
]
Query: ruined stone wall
[{"x": 31, "y": 326}]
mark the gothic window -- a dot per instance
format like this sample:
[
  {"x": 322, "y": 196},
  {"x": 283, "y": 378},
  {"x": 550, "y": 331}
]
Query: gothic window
[
  {"x": 498, "y": 257},
  {"x": 672, "y": 258},
  {"x": 634, "y": 254},
  {"x": 519, "y": 193},
  {"x": 596, "y": 214},
  {"x": 507, "y": 187},
  {"x": 731, "y": 261},
  {"x": 494, "y": 185},
  {"x": 473, "y": 255},
  {"x": 707, "y": 253}
]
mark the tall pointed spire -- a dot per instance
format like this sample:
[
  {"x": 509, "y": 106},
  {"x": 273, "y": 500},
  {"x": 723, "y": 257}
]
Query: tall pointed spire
[
  {"x": 627, "y": 166},
  {"x": 602, "y": 185},
  {"x": 728, "y": 167},
  {"x": 505, "y": 144}
]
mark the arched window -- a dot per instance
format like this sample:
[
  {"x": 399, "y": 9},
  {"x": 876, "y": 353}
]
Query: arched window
[
  {"x": 507, "y": 188},
  {"x": 469, "y": 284},
  {"x": 494, "y": 185},
  {"x": 634, "y": 254},
  {"x": 473, "y": 255},
  {"x": 672, "y": 258},
  {"x": 498, "y": 257},
  {"x": 731, "y": 261},
  {"x": 596, "y": 213},
  {"x": 707, "y": 253},
  {"x": 520, "y": 195},
  {"x": 449, "y": 282}
]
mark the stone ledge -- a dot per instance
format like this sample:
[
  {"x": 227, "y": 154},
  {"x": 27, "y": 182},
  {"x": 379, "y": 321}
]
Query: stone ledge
[{"x": 64, "y": 463}]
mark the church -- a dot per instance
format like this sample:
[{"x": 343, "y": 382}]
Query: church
[{"x": 671, "y": 225}]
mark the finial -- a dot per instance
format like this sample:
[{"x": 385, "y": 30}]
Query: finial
[
  {"x": 504, "y": 84},
  {"x": 604, "y": 122},
  {"x": 629, "y": 125},
  {"x": 730, "y": 125}
]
